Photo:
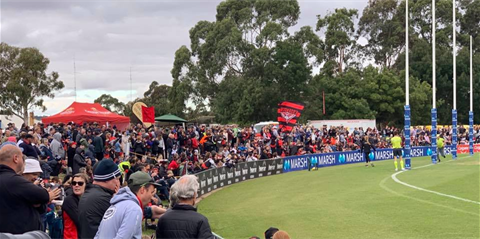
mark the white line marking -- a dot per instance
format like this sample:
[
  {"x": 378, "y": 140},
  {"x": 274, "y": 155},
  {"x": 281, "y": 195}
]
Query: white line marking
[
  {"x": 382, "y": 184},
  {"x": 394, "y": 177}
]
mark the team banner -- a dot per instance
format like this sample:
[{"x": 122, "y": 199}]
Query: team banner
[
  {"x": 220, "y": 177},
  {"x": 288, "y": 114}
]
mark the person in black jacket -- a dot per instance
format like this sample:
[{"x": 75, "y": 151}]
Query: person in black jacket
[
  {"x": 366, "y": 149},
  {"x": 72, "y": 148},
  {"x": 28, "y": 149},
  {"x": 79, "y": 160},
  {"x": 19, "y": 197},
  {"x": 96, "y": 199},
  {"x": 183, "y": 221},
  {"x": 70, "y": 207}
]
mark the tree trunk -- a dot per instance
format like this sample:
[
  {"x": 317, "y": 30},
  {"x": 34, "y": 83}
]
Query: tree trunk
[{"x": 25, "y": 115}]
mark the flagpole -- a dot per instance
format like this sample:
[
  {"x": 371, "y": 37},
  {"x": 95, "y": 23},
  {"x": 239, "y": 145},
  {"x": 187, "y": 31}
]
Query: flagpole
[
  {"x": 454, "y": 110},
  {"x": 407, "y": 95},
  {"x": 470, "y": 114},
  {"x": 434, "y": 96}
]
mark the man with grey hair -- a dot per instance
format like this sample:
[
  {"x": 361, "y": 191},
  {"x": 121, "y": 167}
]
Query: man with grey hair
[{"x": 183, "y": 221}]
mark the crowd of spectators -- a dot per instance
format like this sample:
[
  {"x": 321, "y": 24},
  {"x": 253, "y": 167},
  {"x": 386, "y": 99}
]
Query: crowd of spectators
[{"x": 93, "y": 162}]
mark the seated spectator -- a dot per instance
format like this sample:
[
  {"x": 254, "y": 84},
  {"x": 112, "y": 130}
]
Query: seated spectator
[{"x": 183, "y": 221}]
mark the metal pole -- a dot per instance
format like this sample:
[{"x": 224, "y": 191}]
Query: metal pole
[
  {"x": 434, "y": 89},
  {"x": 454, "y": 110},
  {"x": 407, "y": 95},
  {"x": 407, "y": 92},
  {"x": 470, "y": 114}
]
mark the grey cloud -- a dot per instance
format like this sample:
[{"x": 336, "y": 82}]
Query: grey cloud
[{"x": 108, "y": 37}]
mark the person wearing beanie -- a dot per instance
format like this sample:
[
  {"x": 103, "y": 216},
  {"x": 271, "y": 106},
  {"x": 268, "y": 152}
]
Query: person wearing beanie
[
  {"x": 123, "y": 219},
  {"x": 96, "y": 199}
]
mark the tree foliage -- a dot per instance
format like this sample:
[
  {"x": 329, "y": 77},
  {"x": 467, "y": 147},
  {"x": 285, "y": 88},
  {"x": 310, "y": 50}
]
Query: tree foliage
[
  {"x": 244, "y": 63},
  {"x": 24, "y": 80},
  {"x": 111, "y": 103}
]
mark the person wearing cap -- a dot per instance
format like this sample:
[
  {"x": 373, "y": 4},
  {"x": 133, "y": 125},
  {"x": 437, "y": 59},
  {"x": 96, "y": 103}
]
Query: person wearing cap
[
  {"x": 96, "y": 199},
  {"x": 123, "y": 219},
  {"x": 20, "y": 198},
  {"x": 183, "y": 221}
]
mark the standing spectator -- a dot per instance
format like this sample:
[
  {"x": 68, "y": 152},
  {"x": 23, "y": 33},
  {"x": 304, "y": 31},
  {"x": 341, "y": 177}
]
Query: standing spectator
[
  {"x": 96, "y": 199},
  {"x": 70, "y": 207},
  {"x": 81, "y": 134},
  {"x": 79, "y": 160},
  {"x": 18, "y": 195},
  {"x": 98, "y": 144},
  {"x": 169, "y": 146},
  {"x": 72, "y": 148},
  {"x": 123, "y": 219},
  {"x": 183, "y": 221},
  {"x": 139, "y": 146},
  {"x": 366, "y": 149},
  {"x": 57, "y": 147}
]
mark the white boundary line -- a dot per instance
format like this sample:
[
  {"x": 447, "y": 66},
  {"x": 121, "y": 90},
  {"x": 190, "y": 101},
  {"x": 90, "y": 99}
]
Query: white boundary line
[{"x": 394, "y": 177}]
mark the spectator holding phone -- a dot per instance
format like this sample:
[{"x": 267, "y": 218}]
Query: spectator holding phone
[{"x": 20, "y": 198}]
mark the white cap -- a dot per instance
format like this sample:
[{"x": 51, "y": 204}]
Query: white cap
[{"x": 32, "y": 166}]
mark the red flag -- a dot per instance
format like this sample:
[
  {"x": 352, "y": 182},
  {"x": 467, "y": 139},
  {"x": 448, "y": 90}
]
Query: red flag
[
  {"x": 148, "y": 114},
  {"x": 288, "y": 113}
]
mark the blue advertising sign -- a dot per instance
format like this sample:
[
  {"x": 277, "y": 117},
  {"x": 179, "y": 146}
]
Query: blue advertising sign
[
  {"x": 470, "y": 131},
  {"x": 454, "y": 134},
  {"x": 407, "y": 137},
  {"x": 296, "y": 163},
  {"x": 434, "y": 135}
]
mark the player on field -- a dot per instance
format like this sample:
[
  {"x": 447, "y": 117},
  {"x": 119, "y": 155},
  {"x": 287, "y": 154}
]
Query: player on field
[
  {"x": 440, "y": 147},
  {"x": 397, "y": 150}
]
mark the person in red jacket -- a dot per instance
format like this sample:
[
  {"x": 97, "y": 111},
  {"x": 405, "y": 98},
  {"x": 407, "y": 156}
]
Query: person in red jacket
[
  {"x": 174, "y": 166},
  {"x": 70, "y": 206}
]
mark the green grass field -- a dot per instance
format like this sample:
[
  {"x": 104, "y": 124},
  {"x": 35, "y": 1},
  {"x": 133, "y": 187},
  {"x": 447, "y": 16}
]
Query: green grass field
[{"x": 353, "y": 201}]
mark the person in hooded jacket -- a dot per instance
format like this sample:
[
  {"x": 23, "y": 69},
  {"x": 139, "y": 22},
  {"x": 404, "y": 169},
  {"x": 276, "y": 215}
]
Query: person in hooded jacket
[
  {"x": 79, "y": 160},
  {"x": 57, "y": 147},
  {"x": 123, "y": 219},
  {"x": 58, "y": 153}
]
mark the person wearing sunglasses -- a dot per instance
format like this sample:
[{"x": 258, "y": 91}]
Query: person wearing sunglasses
[{"x": 70, "y": 206}]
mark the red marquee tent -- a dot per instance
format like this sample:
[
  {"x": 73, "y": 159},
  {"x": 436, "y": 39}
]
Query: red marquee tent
[{"x": 86, "y": 112}]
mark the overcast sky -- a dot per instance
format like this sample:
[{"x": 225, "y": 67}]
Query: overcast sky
[{"x": 107, "y": 38}]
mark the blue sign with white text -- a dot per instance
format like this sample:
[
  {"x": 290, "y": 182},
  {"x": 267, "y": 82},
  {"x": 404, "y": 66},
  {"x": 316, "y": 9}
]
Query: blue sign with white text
[{"x": 296, "y": 163}]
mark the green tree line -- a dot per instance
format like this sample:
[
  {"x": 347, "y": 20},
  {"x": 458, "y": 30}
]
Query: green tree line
[
  {"x": 249, "y": 59},
  {"x": 240, "y": 66}
]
